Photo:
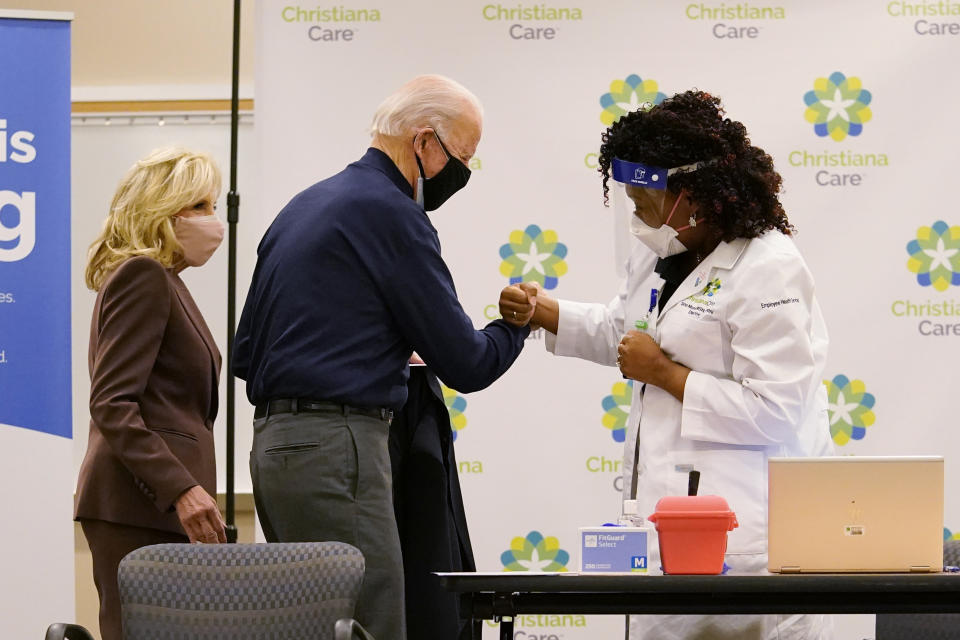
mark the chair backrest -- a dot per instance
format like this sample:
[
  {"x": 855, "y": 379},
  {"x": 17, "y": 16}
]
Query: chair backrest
[
  {"x": 951, "y": 552},
  {"x": 238, "y": 591},
  {"x": 929, "y": 626}
]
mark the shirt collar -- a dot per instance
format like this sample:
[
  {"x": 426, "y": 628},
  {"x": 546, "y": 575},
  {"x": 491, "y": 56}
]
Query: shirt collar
[
  {"x": 673, "y": 269},
  {"x": 376, "y": 159}
]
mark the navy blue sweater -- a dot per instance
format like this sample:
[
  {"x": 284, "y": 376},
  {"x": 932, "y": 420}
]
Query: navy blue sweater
[{"x": 349, "y": 280}]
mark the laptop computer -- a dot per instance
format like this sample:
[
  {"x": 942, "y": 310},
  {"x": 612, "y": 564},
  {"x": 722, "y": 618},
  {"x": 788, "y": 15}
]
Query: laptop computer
[{"x": 855, "y": 514}]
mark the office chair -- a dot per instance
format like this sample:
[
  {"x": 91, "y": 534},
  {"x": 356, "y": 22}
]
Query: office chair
[
  {"x": 63, "y": 631},
  {"x": 951, "y": 553},
  {"x": 297, "y": 590},
  {"x": 241, "y": 591},
  {"x": 923, "y": 626}
]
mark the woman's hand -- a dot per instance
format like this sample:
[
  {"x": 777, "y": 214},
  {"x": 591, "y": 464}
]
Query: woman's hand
[
  {"x": 200, "y": 516},
  {"x": 640, "y": 358}
]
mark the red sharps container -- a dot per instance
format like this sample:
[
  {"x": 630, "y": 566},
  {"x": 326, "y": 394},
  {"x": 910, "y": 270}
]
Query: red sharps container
[{"x": 692, "y": 531}]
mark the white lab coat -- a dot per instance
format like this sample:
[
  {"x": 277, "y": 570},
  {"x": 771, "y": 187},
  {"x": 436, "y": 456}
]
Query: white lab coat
[{"x": 756, "y": 346}]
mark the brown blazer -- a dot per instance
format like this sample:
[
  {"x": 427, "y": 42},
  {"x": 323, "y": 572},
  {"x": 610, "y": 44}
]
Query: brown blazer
[{"x": 154, "y": 370}]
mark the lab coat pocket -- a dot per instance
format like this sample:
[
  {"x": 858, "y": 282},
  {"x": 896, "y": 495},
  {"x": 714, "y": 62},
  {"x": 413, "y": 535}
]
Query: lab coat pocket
[
  {"x": 740, "y": 477},
  {"x": 692, "y": 340}
]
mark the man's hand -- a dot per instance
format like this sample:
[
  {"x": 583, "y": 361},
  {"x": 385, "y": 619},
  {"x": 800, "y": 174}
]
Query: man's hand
[
  {"x": 200, "y": 516},
  {"x": 532, "y": 289},
  {"x": 517, "y": 306},
  {"x": 640, "y": 358}
]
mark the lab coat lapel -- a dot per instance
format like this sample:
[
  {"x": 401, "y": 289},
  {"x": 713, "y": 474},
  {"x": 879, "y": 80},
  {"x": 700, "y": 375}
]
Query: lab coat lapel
[{"x": 723, "y": 257}]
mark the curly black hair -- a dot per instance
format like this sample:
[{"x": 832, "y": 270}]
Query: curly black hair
[{"x": 737, "y": 195}]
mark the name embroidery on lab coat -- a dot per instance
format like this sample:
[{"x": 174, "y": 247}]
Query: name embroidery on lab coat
[
  {"x": 779, "y": 303},
  {"x": 702, "y": 304}
]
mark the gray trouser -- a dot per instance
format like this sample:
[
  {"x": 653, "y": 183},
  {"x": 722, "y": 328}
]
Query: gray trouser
[{"x": 326, "y": 476}]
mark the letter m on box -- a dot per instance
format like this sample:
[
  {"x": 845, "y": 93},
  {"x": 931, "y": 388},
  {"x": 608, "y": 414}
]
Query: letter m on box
[{"x": 638, "y": 563}]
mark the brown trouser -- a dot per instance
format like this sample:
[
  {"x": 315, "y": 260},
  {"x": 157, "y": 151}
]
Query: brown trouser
[{"x": 109, "y": 543}]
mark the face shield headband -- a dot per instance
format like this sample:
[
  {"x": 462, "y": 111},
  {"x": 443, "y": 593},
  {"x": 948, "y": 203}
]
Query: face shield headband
[
  {"x": 647, "y": 176},
  {"x": 631, "y": 178}
]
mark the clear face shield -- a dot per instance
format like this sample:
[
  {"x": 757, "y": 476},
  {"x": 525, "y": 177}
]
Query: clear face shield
[{"x": 639, "y": 193}]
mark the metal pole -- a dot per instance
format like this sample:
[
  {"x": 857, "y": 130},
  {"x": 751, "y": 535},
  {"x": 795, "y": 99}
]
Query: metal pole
[{"x": 233, "y": 216}]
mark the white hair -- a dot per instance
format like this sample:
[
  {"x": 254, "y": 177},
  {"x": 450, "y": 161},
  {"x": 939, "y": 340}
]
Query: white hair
[{"x": 426, "y": 101}]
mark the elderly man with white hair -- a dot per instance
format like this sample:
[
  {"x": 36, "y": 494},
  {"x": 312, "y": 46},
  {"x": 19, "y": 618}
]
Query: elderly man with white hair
[{"x": 349, "y": 283}]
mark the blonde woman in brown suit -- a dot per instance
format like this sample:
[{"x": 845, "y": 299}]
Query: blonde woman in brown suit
[{"x": 149, "y": 474}]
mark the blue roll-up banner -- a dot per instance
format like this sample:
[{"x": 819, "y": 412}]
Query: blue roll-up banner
[
  {"x": 35, "y": 362},
  {"x": 36, "y": 445}
]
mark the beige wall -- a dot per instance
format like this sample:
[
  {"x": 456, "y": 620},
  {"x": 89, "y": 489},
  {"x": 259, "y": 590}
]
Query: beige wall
[{"x": 118, "y": 43}]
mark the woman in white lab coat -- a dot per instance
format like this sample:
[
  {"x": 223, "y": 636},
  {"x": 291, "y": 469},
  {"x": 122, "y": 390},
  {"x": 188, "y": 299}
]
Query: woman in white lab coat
[{"x": 718, "y": 323}]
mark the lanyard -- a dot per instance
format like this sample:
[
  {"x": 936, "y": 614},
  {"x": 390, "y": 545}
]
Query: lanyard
[{"x": 643, "y": 323}]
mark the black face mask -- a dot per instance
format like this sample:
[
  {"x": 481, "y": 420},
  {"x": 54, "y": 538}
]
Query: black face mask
[{"x": 433, "y": 192}]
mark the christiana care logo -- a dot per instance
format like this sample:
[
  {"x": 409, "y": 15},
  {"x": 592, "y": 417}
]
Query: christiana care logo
[
  {"x": 628, "y": 95},
  {"x": 616, "y": 407},
  {"x": 534, "y": 255},
  {"x": 624, "y": 96},
  {"x": 534, "y": 21},
  {"x": 850, "y": 408},
  {"x": 935, "y": 256},
  {"x": 935, "y": 261},
  {"x": 837, "y": 106},
  {"x": 534, "y": 553},
  {"x": 324, "y": 25},
  {"x": 456, "y": 405},
  {"x": 712, "y": 287},
  {"x": 926, "y": 18}
]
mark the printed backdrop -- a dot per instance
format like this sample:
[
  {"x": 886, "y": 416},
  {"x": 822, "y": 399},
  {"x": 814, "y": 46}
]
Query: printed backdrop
[
  {"x": 854, "y": 101},
  {"x": 35, "y": 423}
]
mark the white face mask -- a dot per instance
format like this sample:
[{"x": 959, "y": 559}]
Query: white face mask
[{"x": 662, "y": 240}]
